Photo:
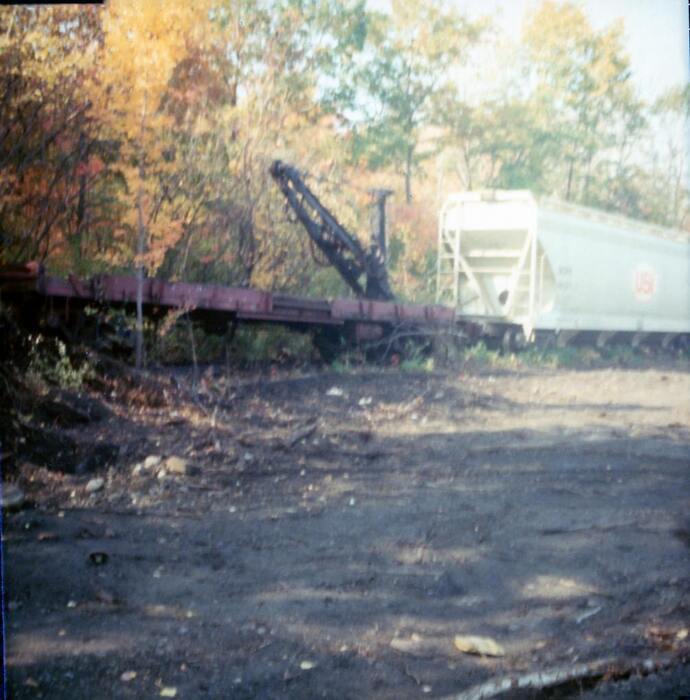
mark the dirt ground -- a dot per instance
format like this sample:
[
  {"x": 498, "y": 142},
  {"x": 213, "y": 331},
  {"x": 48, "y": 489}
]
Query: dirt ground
[{"x": 336, "y": 532}]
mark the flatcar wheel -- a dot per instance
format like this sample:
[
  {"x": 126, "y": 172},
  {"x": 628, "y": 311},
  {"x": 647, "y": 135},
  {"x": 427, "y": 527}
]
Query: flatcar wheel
[{"x": 513, "y": 340}]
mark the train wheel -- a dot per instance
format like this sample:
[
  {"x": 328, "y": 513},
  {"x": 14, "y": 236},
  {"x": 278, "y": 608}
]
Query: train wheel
[{"x": 513, "y": 340}]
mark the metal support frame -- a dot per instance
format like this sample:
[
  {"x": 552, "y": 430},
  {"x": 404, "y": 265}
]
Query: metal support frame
[
  {"x": 472, "y": 267},
  {"x": 451, "y": 241},
  {"x": 638, "y": 338}
]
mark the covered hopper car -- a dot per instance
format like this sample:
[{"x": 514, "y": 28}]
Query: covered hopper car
[{"x": 551, "y": 269}]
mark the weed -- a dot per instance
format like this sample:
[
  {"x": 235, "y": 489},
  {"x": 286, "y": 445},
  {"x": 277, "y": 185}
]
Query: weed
[
  {"x": 273, "y": 344},
  {"x": 532, "y": 356},
  {"x": 622, "y": 355},
  {"x": 342, "y": 364},
  {"x": 348, "y": 361},
  {"x": 417, "y": 364},
  {"x": 49, "y": 363},
  {"x": 480, "y": 355}
]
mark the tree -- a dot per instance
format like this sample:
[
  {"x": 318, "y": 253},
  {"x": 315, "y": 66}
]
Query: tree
[
  {"x": 225, "y": 139},
  {"x": 584, "y": 89},
  {"x": 501, "y": 143},
  {"x": 142, "y": 45},
  {"x": 50, "y": 152},
  {"x": 409, "y": 60},
  {"x": 669, "y": 157}
]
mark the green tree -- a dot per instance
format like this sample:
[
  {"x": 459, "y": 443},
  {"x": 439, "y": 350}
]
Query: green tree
[
  {"x": 583, "y": 88},
  {"x": 500, "y": 143},
  {"x": 235, "y": 229},
  {"x": 408, "y": 61},
  {"x": 669, "y": 158}
]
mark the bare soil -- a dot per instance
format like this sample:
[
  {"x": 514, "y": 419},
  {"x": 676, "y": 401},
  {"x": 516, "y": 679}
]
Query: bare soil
[{"x": 337, "y": 531}]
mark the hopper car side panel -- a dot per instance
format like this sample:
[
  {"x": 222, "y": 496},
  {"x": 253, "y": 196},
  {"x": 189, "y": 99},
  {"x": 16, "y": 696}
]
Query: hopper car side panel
[
  {"x": 613, "y": 279},
  {"x": 557, "y": 267}
]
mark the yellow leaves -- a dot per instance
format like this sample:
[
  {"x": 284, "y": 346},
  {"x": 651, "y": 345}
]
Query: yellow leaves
[
  {"x": 143, "y": 43},
  {"x": 34, "y": 39},
  {"x": 576, "y": 63},
  {"x": 35, "y": 47},
  {"x": 129, "y": 218},
  {"x": 163, "y": 234},
  {"x": 201, "y": 126}
]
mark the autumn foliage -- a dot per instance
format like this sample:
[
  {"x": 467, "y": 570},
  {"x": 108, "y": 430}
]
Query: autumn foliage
[{"x": 138, "y": 135}]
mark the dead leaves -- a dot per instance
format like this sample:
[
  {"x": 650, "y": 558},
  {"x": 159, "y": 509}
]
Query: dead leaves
[{"x": 666, "y": 639}]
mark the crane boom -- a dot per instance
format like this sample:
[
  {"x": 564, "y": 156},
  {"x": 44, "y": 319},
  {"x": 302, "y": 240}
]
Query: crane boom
[{"x": 340, "y": 247}]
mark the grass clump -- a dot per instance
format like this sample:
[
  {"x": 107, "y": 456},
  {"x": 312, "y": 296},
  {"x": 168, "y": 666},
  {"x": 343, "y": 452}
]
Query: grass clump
[
  {"x": 256, "y": 346},
  {"x": 418, "y": 364},
  {"x": 50, "y": 363},
  {"x": 346, "y": 362}
]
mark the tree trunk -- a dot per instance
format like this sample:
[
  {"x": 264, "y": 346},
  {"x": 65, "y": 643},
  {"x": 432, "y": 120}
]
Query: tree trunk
[
  {"x": 141, "y": 246},
  {"x": 81, "y": 201},
  {"x": 408, "y": 175},
  {"x": 570, "y": 180}
]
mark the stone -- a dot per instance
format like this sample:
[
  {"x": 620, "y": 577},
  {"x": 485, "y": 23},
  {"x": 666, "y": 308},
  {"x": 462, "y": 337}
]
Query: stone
[
  {"x": 137, "y": 469},
  {"x": 481, "y": 646},
  {"x": 152, "y": 461},
  {"x": 12, "y": 497},
  {"x": 95, "y": 485},
  {"x": 177, "y": 465},
  {"x": 98, "y": 558},
  {"x": 448, "y": 584},
  {"x": 414, "y": 645}
]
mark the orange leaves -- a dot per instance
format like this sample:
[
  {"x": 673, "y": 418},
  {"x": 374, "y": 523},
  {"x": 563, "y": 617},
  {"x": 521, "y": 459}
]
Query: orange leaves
[
  {"x": 144, "y": 43},
  {"x": 90, "y": 168}
]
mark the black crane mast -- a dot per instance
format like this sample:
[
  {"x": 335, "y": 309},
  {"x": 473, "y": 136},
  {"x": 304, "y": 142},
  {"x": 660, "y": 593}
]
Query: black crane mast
[{"x": 340, "y": 247}]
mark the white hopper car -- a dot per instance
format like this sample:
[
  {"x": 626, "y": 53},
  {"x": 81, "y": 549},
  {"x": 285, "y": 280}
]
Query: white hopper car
[{"x": 528, "y": 267}]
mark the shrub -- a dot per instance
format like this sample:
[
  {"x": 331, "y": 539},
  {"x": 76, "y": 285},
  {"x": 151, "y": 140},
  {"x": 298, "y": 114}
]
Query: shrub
[{"x": 50, "y": 363}]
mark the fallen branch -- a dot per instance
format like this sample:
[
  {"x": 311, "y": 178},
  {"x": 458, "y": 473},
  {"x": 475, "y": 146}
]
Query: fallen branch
[
  {"x": 406, "y": 331},
  {"x": 300, "y": 435},
  {"x": 540, "y": 680}
]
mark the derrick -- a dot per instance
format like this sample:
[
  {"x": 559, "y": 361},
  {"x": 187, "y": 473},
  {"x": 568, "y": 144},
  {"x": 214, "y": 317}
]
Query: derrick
[{"x": 364, "y": 271}]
